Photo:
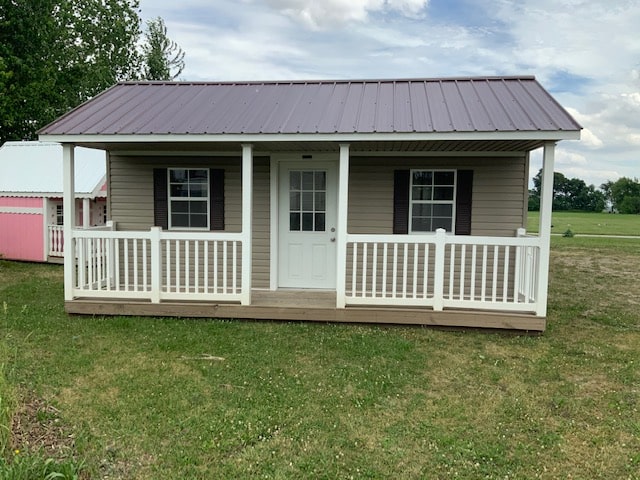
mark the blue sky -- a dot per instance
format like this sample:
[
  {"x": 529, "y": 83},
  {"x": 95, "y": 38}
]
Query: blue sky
[{"x": 587, "y": 53}]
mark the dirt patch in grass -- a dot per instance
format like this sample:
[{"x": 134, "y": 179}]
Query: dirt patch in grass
[{"x": 37, "y": 426}]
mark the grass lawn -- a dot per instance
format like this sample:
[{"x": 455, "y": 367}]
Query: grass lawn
[
  {"x": 173, "y": 398},
  {"x": 589, "y": 223}
]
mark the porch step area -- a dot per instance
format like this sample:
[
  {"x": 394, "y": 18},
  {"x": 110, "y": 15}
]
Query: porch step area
[{"x": 305, "y": 305}]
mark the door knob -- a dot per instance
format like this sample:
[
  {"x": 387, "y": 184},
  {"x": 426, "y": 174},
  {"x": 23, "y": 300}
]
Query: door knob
[{"x": 333, "y": 239}]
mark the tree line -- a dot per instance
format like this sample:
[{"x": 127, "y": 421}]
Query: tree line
[
  {"x": 56, "y": 54},
  {"x": 621, "y": 196}
]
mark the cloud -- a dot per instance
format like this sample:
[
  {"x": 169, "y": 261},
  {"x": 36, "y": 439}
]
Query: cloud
[{"x": 324, "y": 14}]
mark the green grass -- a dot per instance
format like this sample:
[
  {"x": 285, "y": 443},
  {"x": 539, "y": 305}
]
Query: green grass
[
  {"x": 589, "y": 223},
  {"x": 301, "y": 400}
]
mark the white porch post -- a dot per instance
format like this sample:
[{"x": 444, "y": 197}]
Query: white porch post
[
  {"x": 247, "y": 219},
  {"x": 544, "y": 228},
  {"x": 86, "y": 213},
  {"x": 69, "y": 211},
  {"x": 341, "y": 227}
]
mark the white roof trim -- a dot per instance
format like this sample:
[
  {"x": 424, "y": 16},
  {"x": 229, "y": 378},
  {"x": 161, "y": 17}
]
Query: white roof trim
[{"x": 551, "y": 135}]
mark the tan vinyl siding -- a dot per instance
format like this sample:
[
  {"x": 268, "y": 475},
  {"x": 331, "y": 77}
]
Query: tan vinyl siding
[
  {"x": 131, "y": 197},
  {"x": 499, "y": 184}
]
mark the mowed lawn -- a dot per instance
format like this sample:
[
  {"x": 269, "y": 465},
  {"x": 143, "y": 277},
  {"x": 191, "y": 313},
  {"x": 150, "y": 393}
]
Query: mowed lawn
[
  {"x": 588, "y": 223},
  {"x": 176, "y": 398}
]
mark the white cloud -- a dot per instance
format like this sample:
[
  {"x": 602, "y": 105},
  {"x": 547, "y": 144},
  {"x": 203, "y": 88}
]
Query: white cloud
[{"x": 334, "y": 13}]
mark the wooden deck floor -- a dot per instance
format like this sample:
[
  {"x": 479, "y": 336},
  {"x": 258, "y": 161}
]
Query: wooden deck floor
[{"x": 305, "y": 305}]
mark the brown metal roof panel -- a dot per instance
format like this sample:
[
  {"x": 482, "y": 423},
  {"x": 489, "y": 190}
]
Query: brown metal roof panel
[
  {"x": 348, "y": 123},
  {"x": 334, "y": 109},
  {"x": 475, "y": 109},
  {"x": 460, "y": 120},
  {"x": 194, "y": 108},
  {"x": 538, "y": 117},
  {"x": 317, "y": 108},
  {"x": 494, "y": 108},
  {"x": 402, "y": 118},
  {"x": 384, "y": 119},
  {"x": 285, "y": 97},
  {"x": 248, "y": 101},
  {"x": 259, "y": 111},
  {"x": 512, "y": 107},
  {"x": 305, "y": 94},
  {"x": 420, "y": 111},
  {"x": 366, "y": 121},
  {"x": 222, "y": 110},
  {"x": 204, "y": 112},
  {"x": 558, "y": 116},
  {"x": 164, "y": 103},
  {"x": 438, "y": 107}
]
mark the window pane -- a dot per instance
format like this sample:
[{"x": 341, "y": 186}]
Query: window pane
[
  {"x": 421, "y": 224},
  {"x": 321, "y": 180},
  {"x": 198, "y": 207},
  {"x": 307, "y": 180},
  {"x": 294, "y": 201},
  {"x": 443, "y": 193},
  {"x": 422, "y": 178},
  {"x": 179, "y": 191},
  {"x": 178, "y": 175},
  {"x": 320, "y": 201},
  {"x": 421, "y": 193},
  {"x": 421, "y": 210},
  {"x": 442, "y": 223},
  {"x": 294, "y": 221},
  {"x": 294, "y": 180},
  {"x": 198, "y": 221},
  {"x": 198, "y": 176},
  {"x": 180, "y": 207},
  {"x": 319, "y": 222},
  {"x": 307, "y": 222},
  {"x": 442, "y": 210},
  {"x": 179, "y": 220},
  {"x": 443, "y": 178},
  {"x": 307, "y": 201},
  {"x": 198, "y": 190}
]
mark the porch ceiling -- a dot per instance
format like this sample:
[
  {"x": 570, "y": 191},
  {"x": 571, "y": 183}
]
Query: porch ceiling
[{"x": 463, "y": 147}]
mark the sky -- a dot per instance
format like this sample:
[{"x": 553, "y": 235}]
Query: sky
[{"x": 585, "y": 53}]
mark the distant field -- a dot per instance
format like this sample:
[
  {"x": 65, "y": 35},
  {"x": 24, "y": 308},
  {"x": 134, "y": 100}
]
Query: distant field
[{"x": 589, "y": 223}]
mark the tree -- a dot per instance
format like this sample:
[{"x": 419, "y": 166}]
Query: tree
[
  {"x": 55, "y": 54},
  {"x": 625, "y": 193},
  {"x": 163, "y": 58},
  {"x": 568, "y": 194}
]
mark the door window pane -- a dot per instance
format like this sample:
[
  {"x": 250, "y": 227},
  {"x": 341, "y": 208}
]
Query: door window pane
[{"x": 307, "y": 200}]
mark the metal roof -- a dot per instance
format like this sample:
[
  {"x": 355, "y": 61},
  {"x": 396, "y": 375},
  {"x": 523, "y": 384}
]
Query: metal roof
[
  {"x": 36, "y": 168},
  {"x": 467, "y": 105}
]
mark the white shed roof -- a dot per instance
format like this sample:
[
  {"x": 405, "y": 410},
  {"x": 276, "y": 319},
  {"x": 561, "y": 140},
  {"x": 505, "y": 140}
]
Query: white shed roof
[{"x": 35, "y": 168}]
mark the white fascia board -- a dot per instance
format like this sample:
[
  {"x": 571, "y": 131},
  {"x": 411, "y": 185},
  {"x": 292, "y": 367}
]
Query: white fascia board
[{"x": 315, "y": 137}]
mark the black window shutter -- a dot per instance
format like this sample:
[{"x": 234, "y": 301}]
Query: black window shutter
[
  {"x": 401, "y": 201},
  {"x": 216, "y": 198},
  {"x": 463, "y": 202},
  {"x": 160, "y": 201}
]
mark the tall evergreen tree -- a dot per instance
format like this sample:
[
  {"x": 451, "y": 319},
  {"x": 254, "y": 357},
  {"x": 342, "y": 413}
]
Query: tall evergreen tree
[{"x": 163, "y": 58}]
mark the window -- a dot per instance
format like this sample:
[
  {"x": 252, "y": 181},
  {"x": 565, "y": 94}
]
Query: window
[
  {"x": 432, "y": 201},
  {"x": 59, "y": 215},
  {"x": 307, "y": 200},
  {"x": 189, "y": 198}
]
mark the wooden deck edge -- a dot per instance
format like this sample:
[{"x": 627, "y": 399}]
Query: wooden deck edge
[{"x": 398, "y": 316}]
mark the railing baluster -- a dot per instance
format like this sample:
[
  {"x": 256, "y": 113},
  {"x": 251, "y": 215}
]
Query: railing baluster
[
  {"x": 187, "y": 264},
  {"x": 483, "y": 293},
  {"x": 354, "y": 267},
  {"x": 374, "y": 271},
  {"x": 127, "y": 287},
  {"x": 196, "y": 266},
  {"x": 452, "y": 269},
  {"x": 145, "y": 284},
  {"x": 415, "y": 270},
  {"x": 405, "y": 252},
  {"x": 463, "y": 260},
  {"x": 494, "y": 284},
  {"x": 505, "y": 279},
  {"x": 395, "y": 271},
  {"x": 135, "y": 264},
  {"x": 472, "y": 281},
  {"x": 178, "y": 269},
  {"x": 224, "y": 267},
  {"x": 234, "y": 262},
  {"x": 205, "y": 278},
  {"x": 384, "y": 269},
  {"x": 364, "y": 269},
  {"x": 425, "y": 280}
]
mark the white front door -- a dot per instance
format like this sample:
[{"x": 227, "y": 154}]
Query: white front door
[{"x": 307, "y": 224}]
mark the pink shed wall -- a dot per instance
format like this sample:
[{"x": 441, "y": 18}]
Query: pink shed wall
[
  {"x": 21, "y": 236},
  {"x": 21, "y": 202}
]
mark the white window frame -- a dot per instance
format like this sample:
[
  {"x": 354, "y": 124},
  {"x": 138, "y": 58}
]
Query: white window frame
[
  {"x": 452, "y": 202},
  {"x": 59, "y": 214},
  {"x": 171, "y": 199}
]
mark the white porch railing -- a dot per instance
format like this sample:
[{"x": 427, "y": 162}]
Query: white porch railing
[
  {"x": 158, "y": 265},
  {"x": 443, "y": 271},
  {"x": 55, "y": 240}
]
